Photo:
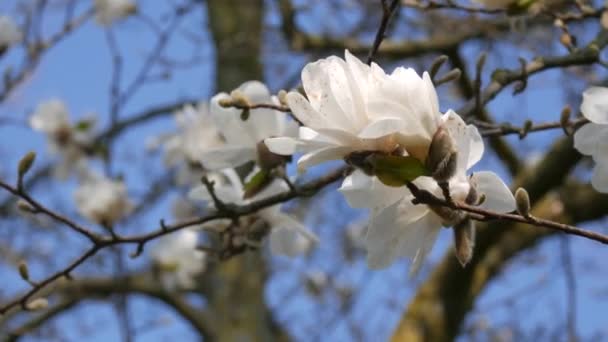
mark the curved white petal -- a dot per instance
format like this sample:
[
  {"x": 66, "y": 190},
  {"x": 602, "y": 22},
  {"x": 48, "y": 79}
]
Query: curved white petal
[
  {"x": 430, "y": 225},
  {"x": 588, "y": 137},
  {"x": 382, "y": 127},
  {"x": 322, "y": 155},
  {"x": 302, "y": 109},
  {"x": 498, "y": 197},
  {"x": 284, "y": 146},
  {"x": 227, "y": 157},
  {"x": 595, "y": 105},
  {"x": 363, "y": 191},
  {"x": 468, "y": 141},
  {"x": 599, "y": 179}
]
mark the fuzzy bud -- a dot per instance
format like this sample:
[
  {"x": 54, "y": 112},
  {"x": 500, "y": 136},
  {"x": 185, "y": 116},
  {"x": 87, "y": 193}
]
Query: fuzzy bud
[
  {"x": 464, "y": 241},
  {"x": 522, "y": 201},
  {"x": 25, "y": 164},
  {"x": 564, "y": 120},
  {"x": 442, "y": 158},
  {"x": 282, "y": 96},
  {"x": 239, "y": 98},
  {"x": 37, "y": 304},
  {"x": 24, "y": 271},
  {"x": 25, "y": 207}
]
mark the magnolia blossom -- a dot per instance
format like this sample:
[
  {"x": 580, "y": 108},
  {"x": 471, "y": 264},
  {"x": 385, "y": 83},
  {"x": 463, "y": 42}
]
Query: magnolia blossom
[
  {"x": 179, "y": 259},
  {"x": 351, "y": 106},
  {"x": 592, "y": 138},
  {"x": 102, "y": 200},
  {"x": 69, "y": 141},
  {"x": 287, "y": 235},
  {"x": 9, "y": 33},
  {"x": 196, "y": 134},
  {"x": 243, "y": 137},
  {"x": 398, "y": 227},
  {"x": 109, "y": 11}
]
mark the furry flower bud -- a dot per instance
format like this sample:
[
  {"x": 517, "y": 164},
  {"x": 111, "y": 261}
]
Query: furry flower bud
[
  {"x": 442, "y": 158},
  {"x": 522, "y": 201},
  {"x": 464, "y": 241}
]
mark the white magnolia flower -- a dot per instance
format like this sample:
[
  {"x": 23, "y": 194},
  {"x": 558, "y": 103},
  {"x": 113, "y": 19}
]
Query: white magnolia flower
[
  {"x": 9, "y": 33},
  {"x": 178, "y": 258},
  {"x": 102, "y": 200},
  {"x": 52, "y": 118},
  {"x": 196, "y": 134},
  {"x": 355, "y": 107},
  {"x": 243, "y": 137},
  {"x": 109, "y": 11},
  {"x": 399, "y": 228},
  {"x": 288, "y": 236},
  {"x": 592, "y": 138}
]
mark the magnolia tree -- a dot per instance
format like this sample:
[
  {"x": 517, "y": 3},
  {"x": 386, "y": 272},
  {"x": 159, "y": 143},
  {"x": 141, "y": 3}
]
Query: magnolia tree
[{"x": 335, "y": 148}]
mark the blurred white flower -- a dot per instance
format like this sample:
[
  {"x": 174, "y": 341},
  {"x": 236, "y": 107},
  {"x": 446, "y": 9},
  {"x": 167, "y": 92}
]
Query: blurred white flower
[
  {"x": 109, "y": 11},
  {"x": 178, "y": 258},
  {"x": 102, "y": 200},
  {"x": 288, "y": 236},
  {"x": 351, "y": 107},
  {"x": 243, "y": 136},
  {"x": 69, "y": 141},
  {"x": 196, "y": 133},
  {"x": 9, "y": 33},
  {"x": 399, "y": 228},
  {"x": 592, "y": 138}
]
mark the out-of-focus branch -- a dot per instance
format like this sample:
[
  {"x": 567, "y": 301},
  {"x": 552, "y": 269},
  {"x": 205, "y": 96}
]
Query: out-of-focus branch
[
  {"x": 231, "y": 212},
  {"x": 75, "y": 291}
]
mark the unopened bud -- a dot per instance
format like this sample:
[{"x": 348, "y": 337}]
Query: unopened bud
[
  {"x": 564, "y": 120},
  {"x": 452, "y": 75},
  {"x": 282, "y": 95},
  {"x": 37, "y": 304},
  {"x": 26, "y": 207},
  {"x": 26, "y": 163},
  {"x": 566, "y": 40},
  {"x": 464, "y": 241},
  {"x": 24, "y": 271},
  {"x": 522, "y": 202},
  {"x": 442, "y": 158},
  {"x": 526, "y": 129},
  {"x": 245, "y": 114},
  {"x": 239, "y": 98},
  {"x": 437, "y": 63}
]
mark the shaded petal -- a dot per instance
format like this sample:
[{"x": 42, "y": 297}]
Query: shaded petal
[
  {"x": 381, "y": 127},
  {"x": 599, "y": 179},
  {"x": 498, "y": 197},
  {"x": 322, "y": 155},
  {"x": 588, "y": 137},
  {"x": 595, "y": 105},
  {"x": 227, "y": 157},
  {"x": 430, "y": 226},
  {"x": 467, "y": 139},
  {"x": 363, "y": 191},
  {"x": 284, "y": 146},
  {"x": 301, "y": 109}
]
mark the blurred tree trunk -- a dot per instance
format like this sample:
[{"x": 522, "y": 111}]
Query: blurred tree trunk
[{"x": 236, "y": 286}]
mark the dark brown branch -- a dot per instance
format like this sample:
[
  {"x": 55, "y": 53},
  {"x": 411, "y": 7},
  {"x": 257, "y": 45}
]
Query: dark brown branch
[{"x": 387, "y": 14}]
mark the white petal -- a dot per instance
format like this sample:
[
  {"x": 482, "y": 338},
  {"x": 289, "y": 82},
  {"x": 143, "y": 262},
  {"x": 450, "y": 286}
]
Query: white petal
[
  {"x": 599, "y": 180},
  {"x": 284, "y": 146},
  {"x": 227, "y": 157},
  {"x": 381, "y": 241},
  {"x": 430, "y": 225},
  {"x": 382, "y": 127},
  {"x": 363, "y": 191},
  {"x": 301, "y": 109},
  {"x": 467, "y": 138},
  {"x": 322, "y": 155},
  {"x": 498, "y": 197},
  {"x": 588, "y": 137},
  {"x": 595, "y": 105}
]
